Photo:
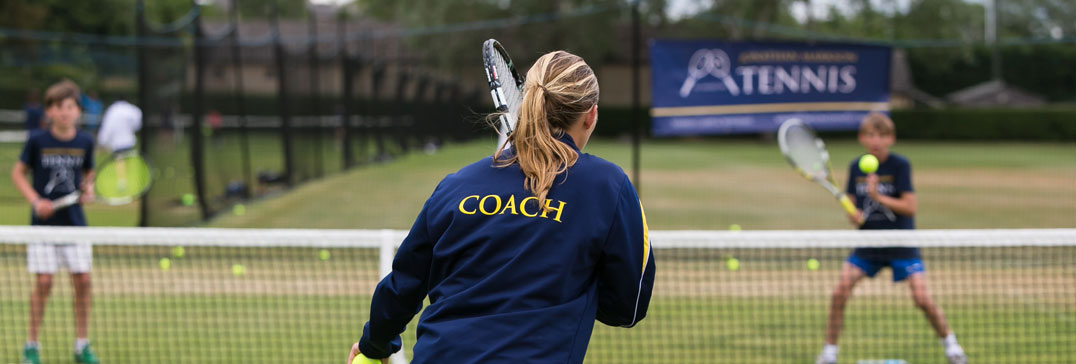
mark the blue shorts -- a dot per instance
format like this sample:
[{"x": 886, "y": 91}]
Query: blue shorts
[{"x": 902, "y": 268}]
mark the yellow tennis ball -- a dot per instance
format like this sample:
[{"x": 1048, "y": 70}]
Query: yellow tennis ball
[
  {"x": 735, "y": 227},
  {"x": 188, "y": 199},
  {"x": 239, "y": 210},
  {"x": 813, "y": 264},
  {"x": 178, "y": 252},
  {"x": 238, "y": 270},
  {"x": 362, "y": 359},
  {"x": 165, "y": 264},
  {"x": 733, "y": 264},
  {"x": 868, "y": 163},
  {"x": 324, "y": 254}
]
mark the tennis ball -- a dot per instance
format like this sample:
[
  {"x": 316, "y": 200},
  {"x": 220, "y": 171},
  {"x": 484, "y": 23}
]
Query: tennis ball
[
  {"x": 812, "y": 264},
  {"x": 238, "y": 270},
  {"x": 178, "y": 252},
  {"x": 733, "y": 264},
  {"x": 324, "y": 254},
  {"x": 239, "y": 210},
  {"x": 735, "y": 227},
  {"x": 165, "y": 264},
  {"x": 868, "y": 163},
  {"x": 362, "y": 359},
  {"x": 188, "y": 199}
]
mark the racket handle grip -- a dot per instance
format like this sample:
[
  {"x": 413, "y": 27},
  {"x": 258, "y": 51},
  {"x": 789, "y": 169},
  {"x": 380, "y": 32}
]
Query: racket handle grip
[
  {"x": 66, "y": 201},
  {"x": 850, "y": 208}
]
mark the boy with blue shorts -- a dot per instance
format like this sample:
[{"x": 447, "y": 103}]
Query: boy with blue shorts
[
  {"x": 61, "y": 161},
  {"x": 884, "y": 200}
]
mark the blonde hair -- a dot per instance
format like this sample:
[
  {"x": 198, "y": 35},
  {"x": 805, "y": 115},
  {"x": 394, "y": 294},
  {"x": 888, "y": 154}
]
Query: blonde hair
[
  {"x": 879, "y": 123},
  {"x": 560, "y": 88}
]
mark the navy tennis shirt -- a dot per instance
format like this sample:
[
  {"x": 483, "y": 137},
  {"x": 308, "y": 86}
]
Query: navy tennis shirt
[
  {"x": 57, "y": 167},
  {"x": 509, "y": 282},
  {"x": 894, "y": 180}
]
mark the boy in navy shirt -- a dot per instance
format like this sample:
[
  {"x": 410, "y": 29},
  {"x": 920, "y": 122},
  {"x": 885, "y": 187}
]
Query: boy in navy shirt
[
  {"x": 61, "y": 160},
  {"x": 884, "y": 200}
]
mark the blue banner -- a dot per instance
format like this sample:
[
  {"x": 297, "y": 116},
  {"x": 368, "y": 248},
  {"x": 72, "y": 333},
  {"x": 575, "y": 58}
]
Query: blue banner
[{"x": 711, "y": 87}]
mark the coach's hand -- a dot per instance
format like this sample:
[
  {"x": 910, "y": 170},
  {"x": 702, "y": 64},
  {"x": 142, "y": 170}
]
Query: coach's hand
[
  {"x": 43, "y": 208},
  {"x": 355, "y": 352}
]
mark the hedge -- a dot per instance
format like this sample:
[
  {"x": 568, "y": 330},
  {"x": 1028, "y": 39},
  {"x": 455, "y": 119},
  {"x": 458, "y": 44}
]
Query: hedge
[{"x": 944, "y": 124}]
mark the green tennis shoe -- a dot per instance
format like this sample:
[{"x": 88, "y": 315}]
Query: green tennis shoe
[
  {"x": 31, "y": 355},
  {"x": 86, "y": 356}
]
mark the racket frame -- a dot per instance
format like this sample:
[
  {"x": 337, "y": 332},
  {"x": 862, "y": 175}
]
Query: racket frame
[
  {"x": 73, "y": 197},
  {"x": 492, "y": 48},
  {"x": 825, "y": 179}
]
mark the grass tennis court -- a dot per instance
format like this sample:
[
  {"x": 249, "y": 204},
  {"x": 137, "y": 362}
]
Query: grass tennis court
[
  {"x": 711, "y": 184},
  {"x": 771, "y": 310},
  {"x": 686, "y": 184}
]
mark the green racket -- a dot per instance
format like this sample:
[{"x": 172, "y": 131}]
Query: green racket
[{"x": 121, "y": 180}]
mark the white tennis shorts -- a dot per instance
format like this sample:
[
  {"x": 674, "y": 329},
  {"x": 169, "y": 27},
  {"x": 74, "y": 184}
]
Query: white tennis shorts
[{"x": 47, "y": 258}]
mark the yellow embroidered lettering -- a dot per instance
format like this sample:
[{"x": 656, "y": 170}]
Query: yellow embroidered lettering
[
  {"x": 559, "y": 209},
  {"x": 464, "y": 200},
  {"x": 510, "y": 204},
  {"x": 482, "y": 205},
  {"x": 523, "y": 206}
]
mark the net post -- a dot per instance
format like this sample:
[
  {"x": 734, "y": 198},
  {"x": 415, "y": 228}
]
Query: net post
[
  {"x": 283, "y": 97},
  {"x": 386, "y": 252},
  {"x": 143, "y": 98},
  {"x": 197, "y": 111},
  {"x": 344, "y": 101}
]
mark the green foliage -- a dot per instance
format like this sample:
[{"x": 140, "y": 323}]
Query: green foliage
[
  {"x": 945, "y": 124},
  {"x": 986, "y": 124},
  {"x": 940, "y": 71},
  {"x": 524, "y": 42},
  {"x": 37, "y": 64}
]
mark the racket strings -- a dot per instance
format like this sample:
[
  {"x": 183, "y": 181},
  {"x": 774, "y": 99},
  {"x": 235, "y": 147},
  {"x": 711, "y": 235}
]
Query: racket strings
[
  {"x": 513, "y": 97},
  {"x": 123, "y": 179},
  {"x": 807, "y": 151}
]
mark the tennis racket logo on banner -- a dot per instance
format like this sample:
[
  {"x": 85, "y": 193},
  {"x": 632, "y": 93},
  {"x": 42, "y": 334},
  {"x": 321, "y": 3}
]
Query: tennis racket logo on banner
[
  {"x": 701, "y": 87},
  {"x": 709, "y": 62}
]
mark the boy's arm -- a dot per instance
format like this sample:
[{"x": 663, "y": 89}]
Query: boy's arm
[
  {"x": 905, "y": 202},
  {"x": 42, "y": 206},
  {"x": 87, "y": 186},
  {"x": 904, "y": 205},
  {"x": 87, "y": 175},
  {"x": 18, "y": 177}
]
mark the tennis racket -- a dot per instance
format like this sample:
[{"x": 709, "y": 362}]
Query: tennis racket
[
  {"x": 121, "y": 180},
  {"x": 807, "y": 153},
  {"x": 505, "y": 86}
]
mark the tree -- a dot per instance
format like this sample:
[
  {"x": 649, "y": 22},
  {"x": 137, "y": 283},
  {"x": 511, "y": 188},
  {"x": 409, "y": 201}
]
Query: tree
[{"x": 537, "y": 26}]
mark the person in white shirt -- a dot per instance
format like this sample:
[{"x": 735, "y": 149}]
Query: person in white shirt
[{"x": 118, "y": 126}]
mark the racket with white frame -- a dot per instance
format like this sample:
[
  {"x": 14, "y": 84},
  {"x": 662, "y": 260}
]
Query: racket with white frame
[
  {"x": 505, "y": 86},
  {"x": 806, "y": 152}
]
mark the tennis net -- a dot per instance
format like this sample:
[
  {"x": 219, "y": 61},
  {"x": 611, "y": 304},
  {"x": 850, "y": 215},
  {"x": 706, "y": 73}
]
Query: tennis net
[{"x": 185, "y": 295}]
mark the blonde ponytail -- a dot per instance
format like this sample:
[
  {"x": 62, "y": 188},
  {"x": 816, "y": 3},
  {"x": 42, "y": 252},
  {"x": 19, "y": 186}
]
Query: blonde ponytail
[{"x": 560, "y": 88}]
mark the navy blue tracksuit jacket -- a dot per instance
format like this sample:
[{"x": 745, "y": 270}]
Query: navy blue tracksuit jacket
[{"x": 509, "y": 282}]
